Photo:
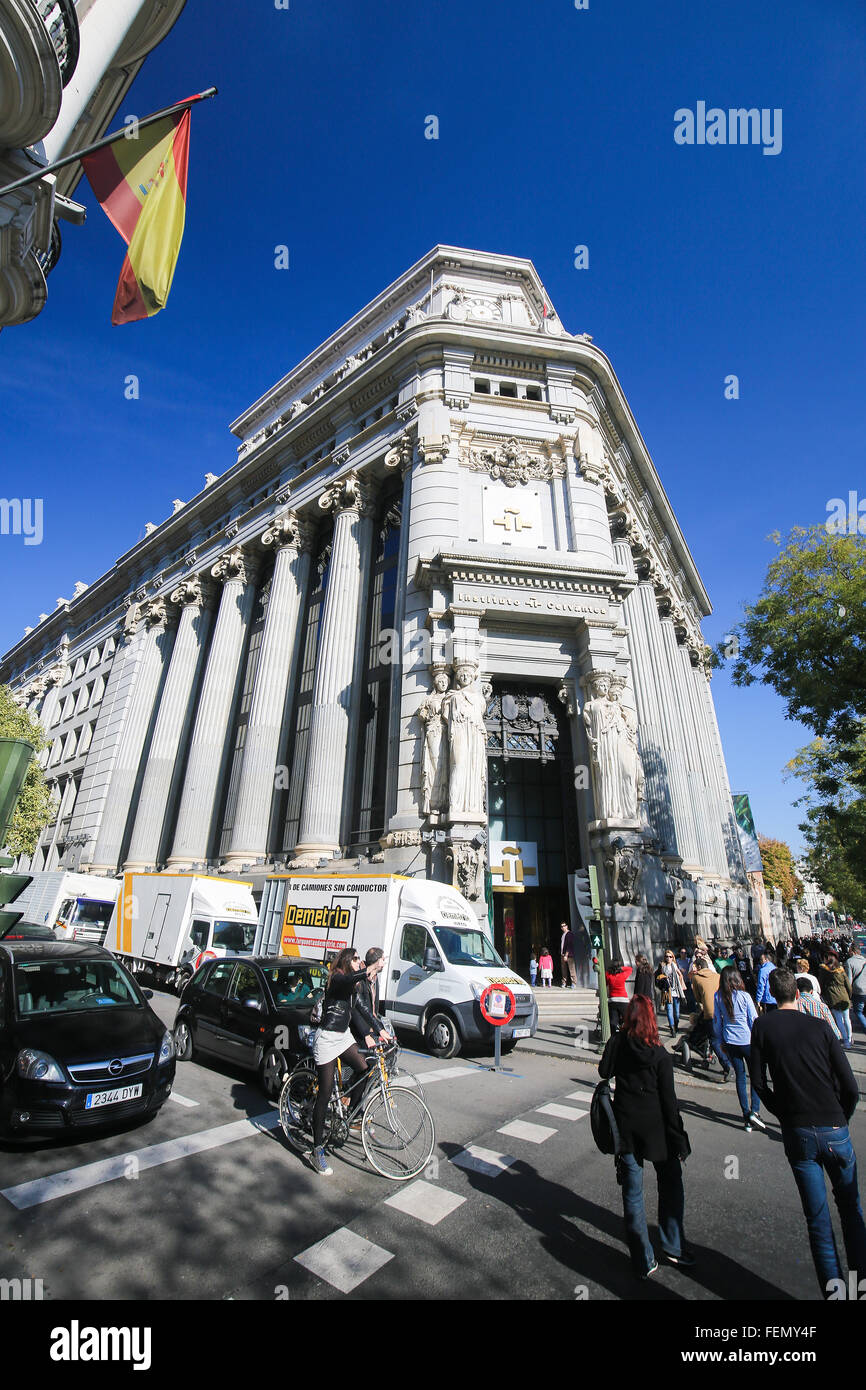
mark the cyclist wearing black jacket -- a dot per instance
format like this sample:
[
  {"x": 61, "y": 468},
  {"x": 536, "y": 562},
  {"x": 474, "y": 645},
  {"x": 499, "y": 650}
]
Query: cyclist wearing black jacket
[
  {"x": 334, "y": 1039},
  {"x": 366, "y": 1025}
]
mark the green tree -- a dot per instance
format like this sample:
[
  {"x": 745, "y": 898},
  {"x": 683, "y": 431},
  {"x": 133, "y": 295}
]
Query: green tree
[
  {"x": 806, "y": 634},
  {"x": 35, "y": 805},
  {"x": 806, "y": 638},
  {"x": 779, "y": 871}
]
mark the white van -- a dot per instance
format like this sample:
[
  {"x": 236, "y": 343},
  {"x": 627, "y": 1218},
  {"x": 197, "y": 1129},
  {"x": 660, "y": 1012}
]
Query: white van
[
  {"x": 78, "y": 907},
  {"x": 439, "y": 957},
  {"x": 167, "y": 924}
]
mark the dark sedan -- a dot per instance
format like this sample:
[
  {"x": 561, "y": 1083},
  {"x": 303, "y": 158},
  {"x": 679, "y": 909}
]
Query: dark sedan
[
  {"x": 80, "y": 1046},
  {"x": 254, "y": 1013}
]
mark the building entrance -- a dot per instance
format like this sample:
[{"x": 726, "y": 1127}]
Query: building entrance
[{"x": 532, "y": 823}]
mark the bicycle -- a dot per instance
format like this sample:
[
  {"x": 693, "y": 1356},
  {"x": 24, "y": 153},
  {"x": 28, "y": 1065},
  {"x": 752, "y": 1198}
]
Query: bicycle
[{"x": 397, "y": 1130}]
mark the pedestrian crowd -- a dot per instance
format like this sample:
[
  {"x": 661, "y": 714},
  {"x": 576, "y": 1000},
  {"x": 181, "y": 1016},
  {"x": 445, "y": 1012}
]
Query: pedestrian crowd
[{"x": 780, "y": 1019}]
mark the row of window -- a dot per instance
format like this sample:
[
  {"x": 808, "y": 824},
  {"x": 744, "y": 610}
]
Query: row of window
[{"x": 511, "y": 390}]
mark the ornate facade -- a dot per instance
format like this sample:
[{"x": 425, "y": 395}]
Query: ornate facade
[{"x": 451, "y": 609}]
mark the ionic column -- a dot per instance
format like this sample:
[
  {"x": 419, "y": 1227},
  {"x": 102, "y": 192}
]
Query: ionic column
[
  {"x": 640, "y": 611},
  {"x": 321, "y": 812},
  {"x": 207, "y": 754},
  {"x": 291, "y": 539},
  {"x": 708, "y": 802},
  {"x": 730, "y": 835},
  {"x": 142, "y": 670},
  {"x": 665, "y": 768},
  {"x": 172, "y": 721},
  {"x": 685, "y": 818}
]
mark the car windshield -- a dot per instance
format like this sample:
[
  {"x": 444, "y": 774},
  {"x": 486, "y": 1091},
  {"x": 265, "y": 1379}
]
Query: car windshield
[
  {"x": 463, "y": 946},
  {"x": 292, "y": 984},
  {"x": 235, "y": 937},
  {"x": 65, "y": 987}
]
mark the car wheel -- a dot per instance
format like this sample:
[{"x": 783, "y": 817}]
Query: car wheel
[
  {"x": 180, "y": 980},
  {"x": 442, "y": 1036},
  {"x": 274, "y": 1069},
  {"x": 184, "y": 1049}
]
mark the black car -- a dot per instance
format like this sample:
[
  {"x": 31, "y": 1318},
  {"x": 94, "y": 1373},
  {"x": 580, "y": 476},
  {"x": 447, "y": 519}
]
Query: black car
[
  {"x": 80, "y": 1046},
  {"x": 253, "y": 1012},
  {"x": 27, "y": 931}
]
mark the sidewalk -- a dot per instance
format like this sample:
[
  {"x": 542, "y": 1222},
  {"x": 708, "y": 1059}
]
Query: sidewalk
[{"x": 567, "y": 1020}]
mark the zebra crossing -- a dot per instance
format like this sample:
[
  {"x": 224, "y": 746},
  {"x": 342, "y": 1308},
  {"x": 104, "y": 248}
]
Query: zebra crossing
[{"x": 345, "y": 1260}]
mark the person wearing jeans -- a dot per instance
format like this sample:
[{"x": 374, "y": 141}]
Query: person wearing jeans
[
  {"x": 734, "y": 1013},
  {"x": 672, "y": 988},
  {"x": 813, "y": 1095},
  {"x": 650, "y": 1130},
  {"x": 836, "y": 993},
  {"x": 855, "y": 970}
]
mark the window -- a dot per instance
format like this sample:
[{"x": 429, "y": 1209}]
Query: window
[
  {"x": 291, "y": 985},
  {"x": 246, "y": 985},
  {"x": 533, "y": 393},
  {"x": 416, "y": 940},
  {"x": 237, "y": 937},
  {"x": 482, "y": 388},
  {"x": 218, "y": 979},
  {"x": 199, "y": 934},
  {"x": 507, "y": 388}
]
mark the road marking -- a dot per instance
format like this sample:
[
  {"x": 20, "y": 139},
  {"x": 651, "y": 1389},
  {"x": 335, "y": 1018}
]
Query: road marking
[
  {"x": 562, "y": 1112},
  {"x": 425, "y": 1202},
  {"x": 181, "y": 1100},
  {"x": 31, "y": 1194},
  {"x": 578, "y": 1095},
  {"x": 486, "y": 1161},
  {"x": 521, "y": 1129},
  {"x": 344, "y": 1260},
  {"x": 446, "y": 1074}
]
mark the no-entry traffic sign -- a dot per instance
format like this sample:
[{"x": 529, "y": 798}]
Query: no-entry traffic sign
[{"x": 498, "y": 1005}]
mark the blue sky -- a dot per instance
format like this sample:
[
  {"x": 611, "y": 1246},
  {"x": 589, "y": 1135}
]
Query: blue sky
[{"x": 556, "y": 129}]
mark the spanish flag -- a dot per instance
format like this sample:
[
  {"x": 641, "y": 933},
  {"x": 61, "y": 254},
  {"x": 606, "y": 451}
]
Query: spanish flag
[{"x": 141, "y": 184}]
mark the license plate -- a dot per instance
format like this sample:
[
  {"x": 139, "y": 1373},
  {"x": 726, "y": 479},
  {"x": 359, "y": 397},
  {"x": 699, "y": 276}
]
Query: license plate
[
  {"x": 521, "y": 1032},
  {"x": 97, "y": 1098}
]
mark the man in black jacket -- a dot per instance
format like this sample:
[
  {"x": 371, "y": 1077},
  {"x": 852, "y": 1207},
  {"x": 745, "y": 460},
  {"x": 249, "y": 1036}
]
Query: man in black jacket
[
  {"x": 813, "y": 1096},
  {"x": 366, "y": 1025}
]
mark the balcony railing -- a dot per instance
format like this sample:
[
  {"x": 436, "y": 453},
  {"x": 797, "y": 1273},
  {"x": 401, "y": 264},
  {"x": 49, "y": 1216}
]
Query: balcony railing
[{"x": 61, "y": 21}]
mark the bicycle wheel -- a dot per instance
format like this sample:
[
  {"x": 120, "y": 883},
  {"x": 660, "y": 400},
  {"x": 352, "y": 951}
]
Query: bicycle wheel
[
  {"x": 397, "y": 1133},
  {"x": 297, "y": 1099}
]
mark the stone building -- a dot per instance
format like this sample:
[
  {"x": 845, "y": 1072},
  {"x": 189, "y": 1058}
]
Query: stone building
[{"x": 437, "y": 618}]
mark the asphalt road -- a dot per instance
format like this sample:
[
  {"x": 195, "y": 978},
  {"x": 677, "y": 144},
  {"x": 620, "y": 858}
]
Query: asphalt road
[{"x": 206, "y": 1201}]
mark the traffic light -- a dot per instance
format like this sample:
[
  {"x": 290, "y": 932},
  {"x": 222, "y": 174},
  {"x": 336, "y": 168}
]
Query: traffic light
[{"x": 587, "y": 902}]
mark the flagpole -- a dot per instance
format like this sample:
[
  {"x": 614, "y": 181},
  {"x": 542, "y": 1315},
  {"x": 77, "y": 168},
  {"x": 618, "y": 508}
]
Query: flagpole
[{"x": 106, "y": 140}]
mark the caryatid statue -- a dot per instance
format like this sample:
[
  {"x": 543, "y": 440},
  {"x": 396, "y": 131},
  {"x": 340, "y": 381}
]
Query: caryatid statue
[
  {"x": 632, "y": 779},
  {"x": 617, "y": 773},
  {"x": 434, "y": 759},
  {"x": 463, "y": 710}
]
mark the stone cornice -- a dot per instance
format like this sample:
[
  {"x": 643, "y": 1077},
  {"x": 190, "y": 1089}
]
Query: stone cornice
[{"x": 523, "y": 569}]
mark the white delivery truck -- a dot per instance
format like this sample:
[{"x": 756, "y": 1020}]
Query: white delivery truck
[
  {"x": 439, "y": 957},
  {"x": 167, "y": 924},
  {"x": 77, "y": 906}
]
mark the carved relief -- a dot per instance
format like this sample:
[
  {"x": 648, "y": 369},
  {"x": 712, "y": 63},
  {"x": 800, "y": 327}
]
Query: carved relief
[
  {"x": 509, "y": 461},
  {"x": 623, "y": 864},
  {"x": 467, "y": 869},
  {"x": 189, "y": 590}
]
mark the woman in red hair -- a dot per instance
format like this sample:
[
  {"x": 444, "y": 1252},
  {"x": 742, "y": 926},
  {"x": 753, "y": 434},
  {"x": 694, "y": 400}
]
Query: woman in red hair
[{"x": 650, "y": 1127}]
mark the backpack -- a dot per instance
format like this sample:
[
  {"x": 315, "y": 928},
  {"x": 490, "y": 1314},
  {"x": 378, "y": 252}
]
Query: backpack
[
  {"x": 605, "y": 1131},
  {"x": 316, "y": 1012}
]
